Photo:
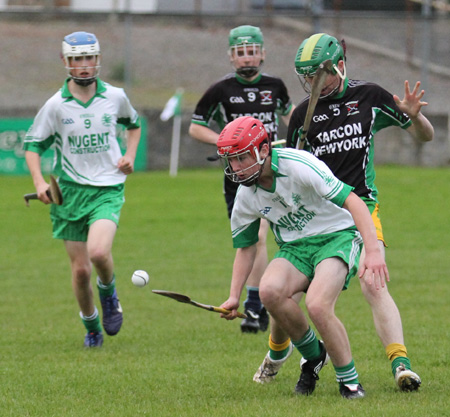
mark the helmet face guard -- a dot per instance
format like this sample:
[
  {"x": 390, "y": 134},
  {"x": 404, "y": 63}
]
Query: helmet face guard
[
  {"x": 312, "y": 52},
  {"x": 251, "y": 51},
  {"x": 239, "y": 148},
  {"x": 307, "y": 85},
  {"x": 245, "y": 176},
  {"x": 246, "y": 43},
  {"x": 81, "y": 44}
]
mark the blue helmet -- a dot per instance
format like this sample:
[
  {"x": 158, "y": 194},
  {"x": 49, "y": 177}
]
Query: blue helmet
[{"x": 81, "y": 44}]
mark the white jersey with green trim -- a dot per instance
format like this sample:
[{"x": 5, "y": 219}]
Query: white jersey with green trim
[
  {"x": 84, "y": 134},
  {"x": 305, "y": 200}
]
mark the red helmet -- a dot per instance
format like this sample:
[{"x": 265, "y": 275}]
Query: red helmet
[{"x": 242, "y": 135}]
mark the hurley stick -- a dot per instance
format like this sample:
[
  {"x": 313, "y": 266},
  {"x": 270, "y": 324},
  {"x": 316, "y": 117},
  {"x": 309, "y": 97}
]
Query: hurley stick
[
  {"x": 53, "y": 193},
  {"x": 316, "y": 88},
  {"x": 185, "y": 299}
]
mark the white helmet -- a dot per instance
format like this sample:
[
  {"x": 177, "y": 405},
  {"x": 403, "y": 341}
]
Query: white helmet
[{"x": 81, "y": 44}]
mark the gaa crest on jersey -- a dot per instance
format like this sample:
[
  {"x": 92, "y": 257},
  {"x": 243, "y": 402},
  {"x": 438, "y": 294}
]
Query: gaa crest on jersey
[
  {"x": 296, "y": 198},
  {"x": 236, "y": 99},
  {"x": 266, "y": 97},
  {"x": 352, "y": 107},
  {"x": 106, "y": 119}
]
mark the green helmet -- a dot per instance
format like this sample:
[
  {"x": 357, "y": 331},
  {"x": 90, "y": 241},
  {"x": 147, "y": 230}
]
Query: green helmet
[
  {"x": 245, "y": 35},
  {"x": 246, "y": 41},
  {"x": 316, "y": 49}
]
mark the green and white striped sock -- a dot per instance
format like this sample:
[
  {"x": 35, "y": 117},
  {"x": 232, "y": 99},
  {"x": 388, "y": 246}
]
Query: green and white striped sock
[
  {"x": 92, "y": 322},
  {"x": 308, "y": 345},
  {"x": 347, "y": 374},
  {"x": 106, "y": 289}
]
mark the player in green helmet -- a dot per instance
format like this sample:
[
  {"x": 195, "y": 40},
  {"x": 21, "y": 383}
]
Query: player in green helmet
[
  {"x": 246, "y": 50},
  {"x": 245, "y": 92},
  {"x": 311, "y": 53},
  {"x": 349, "y": 113}
]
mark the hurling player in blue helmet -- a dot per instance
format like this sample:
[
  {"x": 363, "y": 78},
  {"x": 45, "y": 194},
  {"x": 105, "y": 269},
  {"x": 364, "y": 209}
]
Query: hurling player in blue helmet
[
  {"x": 245, "y": 91},
  {"x": 80, "y": 121}
]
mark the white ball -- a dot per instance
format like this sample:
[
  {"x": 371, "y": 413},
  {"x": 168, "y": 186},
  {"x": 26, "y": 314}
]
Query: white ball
[{"x": 140, "y": 278}]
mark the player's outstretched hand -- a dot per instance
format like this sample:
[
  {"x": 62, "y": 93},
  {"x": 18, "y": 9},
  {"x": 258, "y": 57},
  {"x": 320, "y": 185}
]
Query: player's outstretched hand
[
  {"x": 411, "y": 103},
  {"x": 231, "y": 304}
]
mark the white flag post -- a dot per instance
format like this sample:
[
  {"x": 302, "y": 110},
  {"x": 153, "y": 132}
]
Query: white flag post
[{"x": 173, "y": 108}]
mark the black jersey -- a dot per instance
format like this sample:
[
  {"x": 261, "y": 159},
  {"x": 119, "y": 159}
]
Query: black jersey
[
  {"x": 342, "y": 130},
  {"x": 264, "y": 98}
]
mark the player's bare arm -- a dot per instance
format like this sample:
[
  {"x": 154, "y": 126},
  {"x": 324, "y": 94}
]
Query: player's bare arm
[
  {"x": 33, "y": 160},
  {"x": 421, "y": 129},
  {"x": 203, "y": 134},
  {"x": 126, "y": 163},
  {"x": 242, "y": 267},
  {"x": 374, "y": 269}
]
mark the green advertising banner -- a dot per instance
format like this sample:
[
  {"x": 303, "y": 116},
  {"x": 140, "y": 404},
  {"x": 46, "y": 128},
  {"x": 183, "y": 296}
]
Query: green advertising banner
[{"x": 12, "y": 155}]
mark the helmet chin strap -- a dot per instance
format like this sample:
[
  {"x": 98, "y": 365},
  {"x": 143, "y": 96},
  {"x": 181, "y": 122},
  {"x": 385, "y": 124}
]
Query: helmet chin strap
[
  {"x": 249, "y": 72},
  {"x": 341, "y": 75},
  {"x": 84, "y": 82},
  {"x": 255, "y": 177}
]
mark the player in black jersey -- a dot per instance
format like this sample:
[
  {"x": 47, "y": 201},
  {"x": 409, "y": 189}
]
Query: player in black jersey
[
  {"x": 346, "y": 118},
  {"x": 245, "y": 92}
]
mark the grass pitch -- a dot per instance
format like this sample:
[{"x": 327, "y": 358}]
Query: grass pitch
[{"x": 172, "y": 359}]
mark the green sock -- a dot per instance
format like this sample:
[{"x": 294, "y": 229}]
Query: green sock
[
  {"x": 347, "y": 374},
  {"x": 278, "y": 351},
  {"x": 308, "y": 345},
  {"x": 401, "y": 360},
  {"x": 280, "y": 354},
  {"x": 106, "y": 289},
  {"x": 92, "y": 323}
]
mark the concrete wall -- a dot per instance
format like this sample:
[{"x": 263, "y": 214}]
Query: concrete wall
[{"x": 392, "y": 145}]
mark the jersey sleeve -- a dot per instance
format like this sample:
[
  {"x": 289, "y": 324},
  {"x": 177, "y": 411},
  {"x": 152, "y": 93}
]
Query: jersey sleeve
[
  {"x": 207, "y": 106},
  {"x": 41, "y": 134},
  {"x": 244, "y": 221},
  {"x": 284, "y": 101},
  {"x": 246, "y": 236},
  {"x": 387, "y": 111},
  {"x": 127, "y": 115}
]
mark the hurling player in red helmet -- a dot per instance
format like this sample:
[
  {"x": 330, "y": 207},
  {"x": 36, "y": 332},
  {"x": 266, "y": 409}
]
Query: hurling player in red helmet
[{"x": 319, "y": 225}]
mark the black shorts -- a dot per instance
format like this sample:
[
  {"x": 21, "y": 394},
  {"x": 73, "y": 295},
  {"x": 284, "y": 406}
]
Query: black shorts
[{"x": 229, "y": 190}]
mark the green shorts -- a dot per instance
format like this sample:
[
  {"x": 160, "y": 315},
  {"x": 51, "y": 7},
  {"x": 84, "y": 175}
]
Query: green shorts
[
  {"x": 83, "y": 205},
  {"x": 307, "y": 253}
]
